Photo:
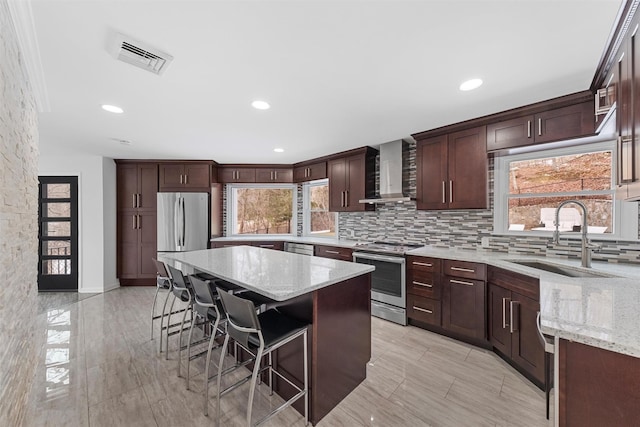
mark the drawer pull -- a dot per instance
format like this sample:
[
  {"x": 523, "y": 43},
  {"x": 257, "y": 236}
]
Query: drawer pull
[
  {"x": 266, "y": 246},
  {"x": 332, "y": 252},
  {"x": 424, "y": 264},
  {"x": 422, "y": 284},
  {"x": 424, "y": 310},
  {"x": 460, "y": 282},
  {"x": 466, "y": 270}
]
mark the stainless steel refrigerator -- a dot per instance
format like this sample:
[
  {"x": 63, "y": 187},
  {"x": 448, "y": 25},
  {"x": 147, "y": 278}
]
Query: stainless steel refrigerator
[{"x": 183, "y": 221}]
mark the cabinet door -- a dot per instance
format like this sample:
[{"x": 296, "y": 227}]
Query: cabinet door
[
  {"x": 510, "y": 133},
  {"x": 147, "y": 244},
  {"x": 274, "y": 175},
  {"x": 564, "y": 123},
  {"x": 463, "y": 307},
  {"x": 431, "y": 173},
  {"x": 236, "y": 175},
  {"x": 197, "y": 176},
  {"x": 317, "y": 171},
  {"x": 424, "y": 309},
  {"x": 127, "y": 186},
  {"x": 171, "y": 176},
  {"x": 337, "y": 184},
  {"x": 355, "y": 189},
  {"x": 526, "y": 349},
  {"x": 499, "y": 332},
  {"x": 468, "y": 168},
  {"x": 148, "y": 186},
  {"x": 127, "y": 246}
]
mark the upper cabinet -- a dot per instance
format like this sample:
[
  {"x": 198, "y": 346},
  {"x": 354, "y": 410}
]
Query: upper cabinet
[
  {"x": 452, "y": 171},
  {"x": 352, "y": 178},
  {"x": 552, "y": 125},
  {"x": 230, "y": 174},
  {"x": 309, "y": 172},
  {"x": 185, "y": 176},
  {"x": 275, "y": 174},
  {"x": 137, "y": 185}
]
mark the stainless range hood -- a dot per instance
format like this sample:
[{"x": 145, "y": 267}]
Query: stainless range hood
[{"x": 390, "y": 175}]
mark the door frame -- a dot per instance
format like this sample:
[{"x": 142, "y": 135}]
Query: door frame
[{"x": 75, "y": 257}]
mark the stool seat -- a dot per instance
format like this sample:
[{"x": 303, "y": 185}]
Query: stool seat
[{"x": 276, "y": 327}]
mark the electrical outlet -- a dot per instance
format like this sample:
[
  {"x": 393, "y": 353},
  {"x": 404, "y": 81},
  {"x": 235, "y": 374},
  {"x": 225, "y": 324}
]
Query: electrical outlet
[{"x": 484, "y": 242}]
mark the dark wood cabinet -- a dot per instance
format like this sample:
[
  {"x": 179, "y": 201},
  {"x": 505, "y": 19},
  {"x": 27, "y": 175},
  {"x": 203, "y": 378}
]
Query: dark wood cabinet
[
  {"x": 452, "y": 171},
  {"x": 557, "y": 124},
  {"x": 267, "y": 175},
  {"x": 230, "y": 174},
  {"x": 137, "y": 186},
  {"x": 424, "y": 290},
  {"x": 185, "y": 176},
  {"x": 463, "y": 299},
  {"x": 597, "y": 387},
  {"x": 333, "y": 252},
  {"x": 351, "y": 178},
  {"x": 310, "y": 172},
  {"x": 266, "y": 244},
  {"x": 513, "y": 308}
]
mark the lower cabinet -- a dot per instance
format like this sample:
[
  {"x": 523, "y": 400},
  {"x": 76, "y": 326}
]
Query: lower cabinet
[
  {"x": 267, "y": 244},
  {"x": 424, "y": 290},
  {"x": 333, "y": 252},
  {"x": 514, "y": 303},
  {"x": 463, "y": 299},
  {"x": 136, "y": 246}
]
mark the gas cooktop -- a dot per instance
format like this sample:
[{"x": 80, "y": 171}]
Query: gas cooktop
[{"x": 386, "y": 247}]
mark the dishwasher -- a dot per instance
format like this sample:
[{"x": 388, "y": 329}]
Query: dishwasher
[{"x": 298, "y": 248}]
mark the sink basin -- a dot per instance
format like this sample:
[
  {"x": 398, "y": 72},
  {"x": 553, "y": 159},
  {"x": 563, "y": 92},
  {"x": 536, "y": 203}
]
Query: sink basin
[{"x": 562, "y": 269}]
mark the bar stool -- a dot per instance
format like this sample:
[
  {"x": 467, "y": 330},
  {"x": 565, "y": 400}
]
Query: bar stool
[
  {"x": 163, "y": 281},
  {"x": 549, "y": 349},
  {"x": 259, "y": 335},
  {"x": 206, "y": 307},
  {"x": 181, "y": 289}
]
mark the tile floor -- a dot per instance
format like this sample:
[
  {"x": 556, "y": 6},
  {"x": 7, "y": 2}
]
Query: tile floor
[{"x": 98, "y": 367}]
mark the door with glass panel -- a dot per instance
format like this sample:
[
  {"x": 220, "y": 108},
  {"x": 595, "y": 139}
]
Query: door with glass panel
[{"x": 58, "y": 233}]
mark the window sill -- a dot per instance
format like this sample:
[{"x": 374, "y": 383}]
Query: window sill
[{"x": 566, "y": 235}]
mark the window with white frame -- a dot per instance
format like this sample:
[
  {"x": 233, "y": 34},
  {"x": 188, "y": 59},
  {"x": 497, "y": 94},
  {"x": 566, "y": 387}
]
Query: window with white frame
[
  {"x": 261, "y": 209},
  {"x": 317, "y": 221},
  {"x": 529, "y": 187}
]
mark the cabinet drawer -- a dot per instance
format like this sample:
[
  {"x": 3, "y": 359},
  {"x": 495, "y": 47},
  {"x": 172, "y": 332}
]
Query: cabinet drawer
[
  {"x": 469, "y": 270},
  {"x": 277, "y": 246},
  {"x": 423, "y": 309},
  {"x": 343, "y": 254},
  {"x": 419, "y": 263},
  {"x": 423, "y": 284}
]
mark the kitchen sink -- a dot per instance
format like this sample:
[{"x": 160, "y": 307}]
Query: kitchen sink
[{"x": 562, "y": 269}]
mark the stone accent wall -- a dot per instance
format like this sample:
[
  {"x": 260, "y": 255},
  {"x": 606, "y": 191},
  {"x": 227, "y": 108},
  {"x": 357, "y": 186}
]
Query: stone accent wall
[
  {"x": 462, "y": 229},
  {"x": 18, "y": 226}
]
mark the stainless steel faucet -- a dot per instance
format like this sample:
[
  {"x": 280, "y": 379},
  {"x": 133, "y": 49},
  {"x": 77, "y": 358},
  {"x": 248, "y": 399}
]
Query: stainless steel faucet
[{"x": 586, "y": 245}]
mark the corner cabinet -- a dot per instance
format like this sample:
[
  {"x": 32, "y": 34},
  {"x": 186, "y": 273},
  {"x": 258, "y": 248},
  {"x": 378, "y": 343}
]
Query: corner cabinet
[
  {"x": 514, "y": 302},
  {"x": 452, "y": 171},
  {"x": 137, "y": 186},
  {"x": 351, "y": 178},
  {"x": 185, "y": 176}
]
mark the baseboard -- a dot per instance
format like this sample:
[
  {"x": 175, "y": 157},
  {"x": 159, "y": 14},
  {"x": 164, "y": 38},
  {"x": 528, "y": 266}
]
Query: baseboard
[{"x": 99, "y": 289}]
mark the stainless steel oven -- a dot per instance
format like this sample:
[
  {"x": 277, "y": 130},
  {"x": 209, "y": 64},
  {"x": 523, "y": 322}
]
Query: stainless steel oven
[{"x": 388, "y": 285}]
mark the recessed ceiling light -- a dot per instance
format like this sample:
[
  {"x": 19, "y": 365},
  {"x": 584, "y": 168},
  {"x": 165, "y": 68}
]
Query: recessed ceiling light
[
  {"x": 471, "y": 84},
  {"x": 260, "y": 105},
  {"x": 279, "y": 150},
  {"x": 112, "y": 109}
]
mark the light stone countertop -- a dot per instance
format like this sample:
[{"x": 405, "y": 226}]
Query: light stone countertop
[
  {"x": 275, "y": 274},
  {"x": 308, "y": 240},
  {"x": 602, "y": 312}
]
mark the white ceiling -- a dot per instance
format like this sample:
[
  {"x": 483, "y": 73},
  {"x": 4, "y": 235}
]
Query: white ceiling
[{"x": 338, "y": 74}]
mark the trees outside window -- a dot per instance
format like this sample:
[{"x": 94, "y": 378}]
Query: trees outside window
[
  {"x": 262, "y": 209},
  {"x": 317, "y": 220}
]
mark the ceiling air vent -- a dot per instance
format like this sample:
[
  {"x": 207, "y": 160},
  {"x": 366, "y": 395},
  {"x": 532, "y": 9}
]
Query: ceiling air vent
[{"x": 140, "y": 54}]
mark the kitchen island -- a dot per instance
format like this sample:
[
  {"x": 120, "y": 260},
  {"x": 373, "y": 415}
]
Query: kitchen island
[{"x": 332, "y": 296}]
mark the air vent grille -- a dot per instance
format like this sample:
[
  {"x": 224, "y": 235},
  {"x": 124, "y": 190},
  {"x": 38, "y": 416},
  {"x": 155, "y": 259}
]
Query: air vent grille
[{"x": 140, "y": 55}]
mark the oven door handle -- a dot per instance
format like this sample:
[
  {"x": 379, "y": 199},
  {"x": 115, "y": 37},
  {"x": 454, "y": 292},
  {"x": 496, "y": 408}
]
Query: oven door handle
[{"x": 375, "y": 257}]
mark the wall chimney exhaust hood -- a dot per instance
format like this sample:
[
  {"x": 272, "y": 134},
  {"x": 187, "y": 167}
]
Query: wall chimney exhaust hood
[{"x": 390, "y": 175}]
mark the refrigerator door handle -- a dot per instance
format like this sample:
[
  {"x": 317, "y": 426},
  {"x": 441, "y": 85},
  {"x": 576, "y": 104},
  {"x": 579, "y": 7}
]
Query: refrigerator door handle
[
  {"x": 184, "y": 223},
  {"x": 176, "y": 213}
]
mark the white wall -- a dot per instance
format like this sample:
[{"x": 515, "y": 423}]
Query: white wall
[{"x": 97, "y": 230}]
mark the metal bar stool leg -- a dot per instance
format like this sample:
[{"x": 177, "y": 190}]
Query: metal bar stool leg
[
  {"x": 164, "y": 310},
  {"x": 184, "y": 316},
  {"x": 153, "y": 309},
  {"x": 218, "y": 380},
  {"x": 166, "y": 344},
  {"x": 254, "y": 380},
  {"x": 188, "y": 352},
  {"x": 206, "y": 368}
]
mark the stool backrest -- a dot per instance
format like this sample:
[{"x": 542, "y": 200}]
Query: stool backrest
[
  {"x": 161, "y": 269},
  {"x": 204, "y": 295},
  {"x": 180, "y": 283},
  {"x": 241, "y": 315}
]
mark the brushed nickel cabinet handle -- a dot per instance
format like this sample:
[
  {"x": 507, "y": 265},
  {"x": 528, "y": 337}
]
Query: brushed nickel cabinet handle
[
  {"x": 134, "y": 222},
  {"x": 504, "y": 313},
  {"x": 528, "y": 128},
  {"x": 186, "y": 179},
  {"x": 444, "y": 192},
  {"x": 460, "y": 282},
  {"x": 266, "y": 246},
  {"x": 332, "y": 252},
  {"x": 138, "y": 200},
  {"x": 539, "y": 127},
  {"x": 275, "y": 175},
  {"x": 139, "y": 222},
  {"x": 181, "y": 179},
  {"x": 450, "y": 191},
  {"x": 466, "y": 270},
  {"x": 422, "y": 309},
  {"x": 427, "y": 285},
  {"x": 346, "y": 198},
  {"x": 133, "y": 202},
  {"x": 424, "y": 264},
  {"x": 344, "y": 205}
]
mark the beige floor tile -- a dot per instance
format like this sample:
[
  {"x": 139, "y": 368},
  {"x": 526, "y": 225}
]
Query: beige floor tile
[
  {"x": 130, "y": 409},
  {"x": 111, "y": 379}
]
